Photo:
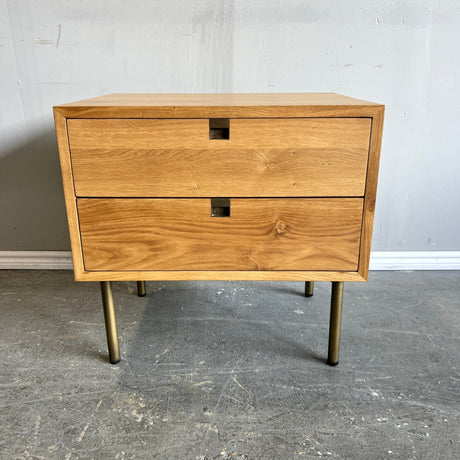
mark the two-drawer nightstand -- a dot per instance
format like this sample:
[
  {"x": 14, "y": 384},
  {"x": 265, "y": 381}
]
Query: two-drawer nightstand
[{"x": 220, "y": 187}]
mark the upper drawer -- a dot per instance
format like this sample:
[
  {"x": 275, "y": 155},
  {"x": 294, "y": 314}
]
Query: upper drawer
[{"x": 262, "y": 157}]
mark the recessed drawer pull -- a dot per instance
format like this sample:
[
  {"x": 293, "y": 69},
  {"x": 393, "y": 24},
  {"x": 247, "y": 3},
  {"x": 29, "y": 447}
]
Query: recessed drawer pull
[
  {"x": 219, "y": 128},
  {"x": 220, "y": 207}
]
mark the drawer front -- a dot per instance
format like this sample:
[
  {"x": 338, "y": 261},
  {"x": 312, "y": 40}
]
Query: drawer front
[
  {"x": 181, "y": 234},
  {"x": 176, "y": 157}
]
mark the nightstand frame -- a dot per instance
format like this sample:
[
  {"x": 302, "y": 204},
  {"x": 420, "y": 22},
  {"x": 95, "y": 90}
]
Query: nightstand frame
[{"x": 317, "y": 153}]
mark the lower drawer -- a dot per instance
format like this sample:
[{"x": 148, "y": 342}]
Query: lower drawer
[{"x": 126, "y": 234}]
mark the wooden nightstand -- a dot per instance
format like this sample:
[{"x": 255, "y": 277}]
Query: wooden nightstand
[{"x": 220, "y": 187}]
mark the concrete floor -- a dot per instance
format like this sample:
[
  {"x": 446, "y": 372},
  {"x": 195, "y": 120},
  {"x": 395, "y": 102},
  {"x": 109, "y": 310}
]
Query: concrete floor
[{"x": 230, "y": 370}]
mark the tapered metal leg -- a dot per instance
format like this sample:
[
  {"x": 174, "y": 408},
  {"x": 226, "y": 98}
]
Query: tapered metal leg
[
  {"x": 110, "y": 322},
  {"x": 335, "y": 323},
  {"x": 309, "y": 286},
  {"x": 141, "y": 289}
]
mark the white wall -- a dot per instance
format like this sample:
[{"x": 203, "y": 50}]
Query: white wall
[{"x": 398, "y": 52}]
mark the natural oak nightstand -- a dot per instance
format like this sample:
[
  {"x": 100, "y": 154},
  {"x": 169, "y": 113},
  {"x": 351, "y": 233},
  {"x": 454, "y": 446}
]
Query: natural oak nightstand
[{"x": 220, "y": 187}]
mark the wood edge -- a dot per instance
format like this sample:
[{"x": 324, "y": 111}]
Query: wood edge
[
  {"x": 98, "y": 101},
  {"x": 375, "y": 145},
  {"x": 216, "y": 276},
  {"x": 262, "y": 111},
  {"x": 359, "y": 102},
  {"x": 69, "y": 192},
  {"x": 57, "y": 110}
]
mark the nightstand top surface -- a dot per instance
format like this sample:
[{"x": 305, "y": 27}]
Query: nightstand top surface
[
  {"x": 222, "y": 99},
  {"x": 243, "y": 105}
]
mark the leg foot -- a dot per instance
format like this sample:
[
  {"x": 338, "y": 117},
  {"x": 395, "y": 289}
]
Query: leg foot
[
  {"x": 141, "y": 289},
  {"x": 335, "y": 323},
  {"x": 309, "y": 286},
  {"x": 110, "y": 322}
]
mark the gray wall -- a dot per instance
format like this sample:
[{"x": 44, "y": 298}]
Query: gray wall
[{"x": 403, "y": 53}]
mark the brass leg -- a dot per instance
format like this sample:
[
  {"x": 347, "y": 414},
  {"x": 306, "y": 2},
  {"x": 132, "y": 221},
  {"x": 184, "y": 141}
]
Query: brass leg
[
  {"x": 309, "y": 286},
  {"x": 335, "y": 322},
  {"x": 141, "y": 289},
  {"x": 110, "y": 322}
]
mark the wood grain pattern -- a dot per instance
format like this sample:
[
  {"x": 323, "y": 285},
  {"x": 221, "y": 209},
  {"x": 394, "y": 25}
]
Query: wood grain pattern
[
  {"x": 221, "y": 99},
  {"x": 343, "y": 133},
  {"x": 216, "y": 275},
  {"x": 180, "y": 234},
  {"x": 69, "y": 192},
  {"x": 218, "y": 105},
  {"x": 371, "y": 192},
  {"x": 275, "y": 157},
  {"x": 271, "y": 166}
]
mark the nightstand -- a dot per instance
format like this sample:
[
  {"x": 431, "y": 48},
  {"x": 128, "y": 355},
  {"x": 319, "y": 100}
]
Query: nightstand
[{"x": 220, "y": 187}]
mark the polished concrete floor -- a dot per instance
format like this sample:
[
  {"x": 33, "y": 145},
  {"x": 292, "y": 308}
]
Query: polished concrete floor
[{"x": 230, "y": 370}]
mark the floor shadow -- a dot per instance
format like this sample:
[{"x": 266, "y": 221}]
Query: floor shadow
[
  {"x": 216, "y": 324},
  {"x": 296, "y": 290}
]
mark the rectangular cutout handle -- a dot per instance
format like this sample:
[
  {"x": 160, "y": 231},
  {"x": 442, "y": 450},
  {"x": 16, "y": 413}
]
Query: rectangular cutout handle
[
  {"x": 219, "y": 128},
  {"x": 220, "y": 207}
]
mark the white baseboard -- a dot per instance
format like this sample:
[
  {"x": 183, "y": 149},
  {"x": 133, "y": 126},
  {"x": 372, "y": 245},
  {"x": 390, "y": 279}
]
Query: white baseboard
[
  {"x": 415, "y": 260},
  {"x": 31, "y": 260},
  {"x": 385, "y": 260}
]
